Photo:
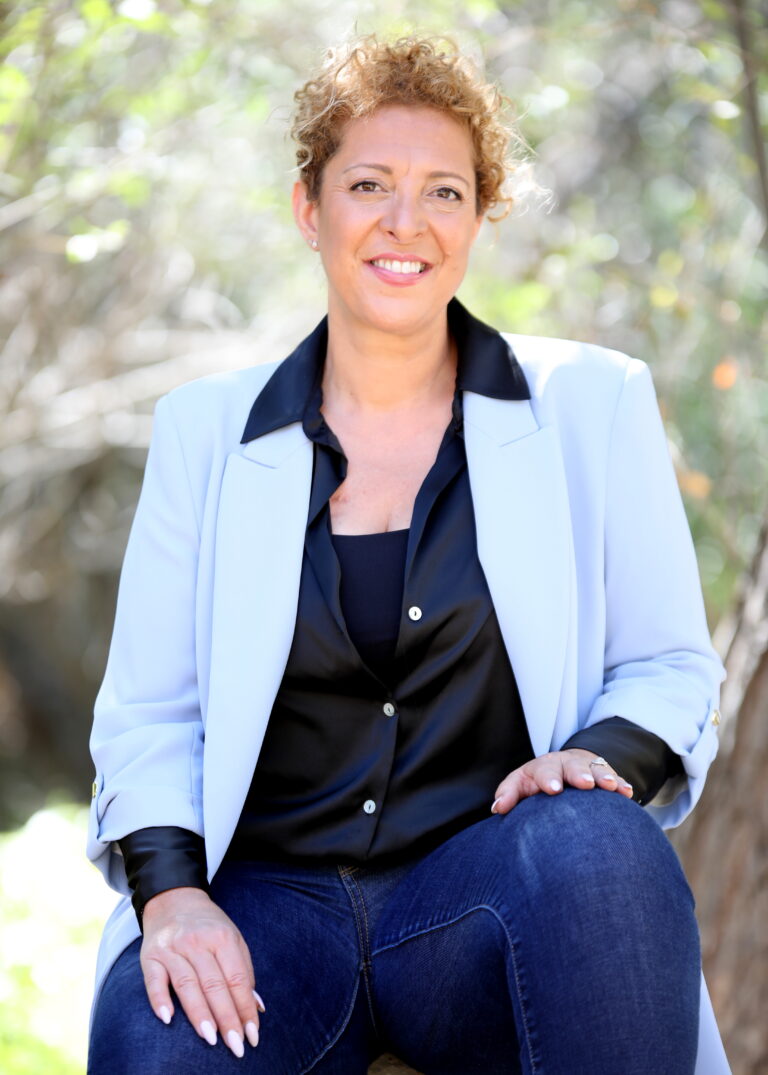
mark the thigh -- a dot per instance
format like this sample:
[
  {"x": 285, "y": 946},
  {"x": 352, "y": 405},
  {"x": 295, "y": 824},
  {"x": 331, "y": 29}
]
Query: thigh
[
  {"x": 442, "y": 1001},
  {"x": 588, "y": 934},
  {"x": 302, "y": 939}
]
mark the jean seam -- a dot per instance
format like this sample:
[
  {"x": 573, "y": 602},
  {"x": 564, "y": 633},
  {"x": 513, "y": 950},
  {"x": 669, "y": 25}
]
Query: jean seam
[
  {"x": 513, "y": 952},
  {"x": 363, "y": 931}
]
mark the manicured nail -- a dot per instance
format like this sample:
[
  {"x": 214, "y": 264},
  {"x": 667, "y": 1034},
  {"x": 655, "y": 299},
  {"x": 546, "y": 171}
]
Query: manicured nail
[
  {"x": 208, "y": 1030},
  {"x": 235, "y": 1042},
  {"x": 165, "y": 1014},
  {"x": 259, "y": 1002},
  {"x": 555, "y": 785},
  {"x": 588, "y": 776},
  {"x": 495, "y": 801},
  {"x": 252, "y": 1033}
]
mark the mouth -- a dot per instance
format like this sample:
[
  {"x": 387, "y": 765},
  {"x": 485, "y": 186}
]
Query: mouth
[{"x": 409, "y": 267}]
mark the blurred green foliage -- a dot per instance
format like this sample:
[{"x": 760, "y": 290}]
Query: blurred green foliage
[
  {"x": 48, "y": 938},
  {"x": 146, "y": 170}
]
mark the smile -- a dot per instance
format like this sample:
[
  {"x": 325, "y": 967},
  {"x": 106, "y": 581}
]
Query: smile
[{"x": 404, "y": 267}]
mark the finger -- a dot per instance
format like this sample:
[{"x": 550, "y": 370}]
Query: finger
[
  {"x": 515, "y": 787},
  {"x": 216, "y": 990},
  {"x": 604, "y": 775},
  {"x": 156, "y": 982},
  {"x": 549, "y": 774},
  {"x": 186, "y": 983},
  {"x": 577, "y": 771},
  {"x": 251, "y": 1025},
  {"x": 236, "y": 966},
  {"x": 608, "y": 779}
]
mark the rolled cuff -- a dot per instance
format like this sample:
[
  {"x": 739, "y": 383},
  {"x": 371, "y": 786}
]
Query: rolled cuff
[{"x": 160, "y": 858}]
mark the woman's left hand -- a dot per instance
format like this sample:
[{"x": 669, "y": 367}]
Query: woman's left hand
[{"x": 551, "y": 772}]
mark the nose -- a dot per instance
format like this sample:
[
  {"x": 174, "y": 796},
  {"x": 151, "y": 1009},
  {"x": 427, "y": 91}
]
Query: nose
[{"x": 404, "y": 217}]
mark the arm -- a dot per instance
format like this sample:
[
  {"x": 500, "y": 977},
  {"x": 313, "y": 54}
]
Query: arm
[
  {"x": 147, "y": 738},
  {"x": 661, "y": 671},
  {"x": 655, "y": 719},
  {"x": 147, "y": 745}
]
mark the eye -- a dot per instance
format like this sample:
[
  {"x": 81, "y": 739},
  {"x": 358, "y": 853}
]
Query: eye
[
  {"x": 365, "y": 186},
  {"x": 449, "y": 194}
]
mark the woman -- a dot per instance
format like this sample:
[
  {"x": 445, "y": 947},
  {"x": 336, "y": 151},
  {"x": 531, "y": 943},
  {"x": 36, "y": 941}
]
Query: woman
[{"x": 405, "y": 625}]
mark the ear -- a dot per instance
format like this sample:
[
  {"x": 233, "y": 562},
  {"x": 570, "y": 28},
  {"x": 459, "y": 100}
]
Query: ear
[
  {"x": 304, "y": 212},
  {"x": 478, "y": 223}
]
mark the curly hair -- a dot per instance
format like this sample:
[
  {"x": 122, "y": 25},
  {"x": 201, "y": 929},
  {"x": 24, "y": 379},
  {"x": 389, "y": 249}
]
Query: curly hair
[{"x": 367, "y": 73}]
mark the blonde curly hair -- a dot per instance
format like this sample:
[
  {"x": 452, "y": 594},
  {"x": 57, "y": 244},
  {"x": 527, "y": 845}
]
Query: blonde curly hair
[{"x": 367, "y": 73}]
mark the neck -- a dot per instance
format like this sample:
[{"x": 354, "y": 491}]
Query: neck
[{"x": 370, "y": 369}]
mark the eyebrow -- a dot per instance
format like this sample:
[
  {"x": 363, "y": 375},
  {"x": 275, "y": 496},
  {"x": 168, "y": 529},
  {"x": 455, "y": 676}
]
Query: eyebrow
[{"x": 388, "y": 171}]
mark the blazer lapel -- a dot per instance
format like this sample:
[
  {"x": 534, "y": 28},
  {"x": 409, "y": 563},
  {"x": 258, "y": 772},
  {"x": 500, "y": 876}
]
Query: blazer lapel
[
  {"x": 523, "y": 526},
  {"x": 259, "y": 547}
]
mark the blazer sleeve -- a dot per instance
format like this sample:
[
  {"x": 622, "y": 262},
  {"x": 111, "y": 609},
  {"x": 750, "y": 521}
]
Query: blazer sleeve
[
  {"x": 660, "y": 669},
  {"x": 147, "y": 737}
]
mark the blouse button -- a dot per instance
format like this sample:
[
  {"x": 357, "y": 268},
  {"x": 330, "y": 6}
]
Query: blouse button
[
  {"x": 389, "y": 709},
  {"x": 369, "y": 806},
  {"x": 414, "y": 613}
]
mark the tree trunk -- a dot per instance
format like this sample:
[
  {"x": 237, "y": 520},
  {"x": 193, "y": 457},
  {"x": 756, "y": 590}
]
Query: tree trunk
[{"x": 724, "y": 843}]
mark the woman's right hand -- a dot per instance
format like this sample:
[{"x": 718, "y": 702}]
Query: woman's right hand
[{"x": 192, "y": 945}]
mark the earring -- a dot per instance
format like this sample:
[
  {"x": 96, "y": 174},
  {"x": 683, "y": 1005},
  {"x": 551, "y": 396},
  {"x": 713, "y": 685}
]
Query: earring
[{"x": 313, "y": 243}]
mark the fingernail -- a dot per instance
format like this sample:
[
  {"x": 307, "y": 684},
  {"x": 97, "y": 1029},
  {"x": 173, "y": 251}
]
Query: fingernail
[
  {"x": 259, "y": 1001},
  {"x": 588, "y": 776},
  {"x": 208, "y": 1030},
  {"x": 235, "y": 1042},
  {"x": 252, "y": 1033},
  {"x": 495, "y": 801},
  {"x": 165, "y": 1014},
  {"x": 555, "y": 785}
]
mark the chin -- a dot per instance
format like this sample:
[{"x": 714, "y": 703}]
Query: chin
[{"x": 401, "y": 317}]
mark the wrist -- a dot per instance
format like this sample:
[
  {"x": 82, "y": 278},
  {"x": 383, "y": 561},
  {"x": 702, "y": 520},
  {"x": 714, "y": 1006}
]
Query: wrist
[{"x": 172, "y": 899}]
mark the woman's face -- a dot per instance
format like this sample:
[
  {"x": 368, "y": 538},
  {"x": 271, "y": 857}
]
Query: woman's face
[{"x": 395, "y": 219}]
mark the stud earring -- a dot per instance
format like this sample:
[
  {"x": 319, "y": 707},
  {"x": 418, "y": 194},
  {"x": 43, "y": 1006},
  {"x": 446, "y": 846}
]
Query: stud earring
[{"x": 313, "y": 243}]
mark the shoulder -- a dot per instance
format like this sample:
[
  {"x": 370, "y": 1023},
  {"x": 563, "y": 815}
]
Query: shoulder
[
  {"x": 220, "y": 392},
  {"x": 546, "y": 358},
  {"x": 217, "y": 405},
  {"x": 205, "y": 418},
  {"x": 568, "y": 371}
]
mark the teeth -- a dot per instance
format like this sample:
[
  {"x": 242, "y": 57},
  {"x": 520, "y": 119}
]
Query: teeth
[{"x": 399, "y": 266}]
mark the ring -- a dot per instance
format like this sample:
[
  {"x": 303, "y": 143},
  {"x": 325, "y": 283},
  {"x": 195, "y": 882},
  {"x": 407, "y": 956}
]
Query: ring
[{"x": 599, "y": 761}]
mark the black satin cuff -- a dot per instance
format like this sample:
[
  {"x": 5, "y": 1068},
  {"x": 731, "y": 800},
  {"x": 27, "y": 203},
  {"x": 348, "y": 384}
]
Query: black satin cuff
[
  {"x": 160, "y": 858},
  {"x": 640, "y": 757}
]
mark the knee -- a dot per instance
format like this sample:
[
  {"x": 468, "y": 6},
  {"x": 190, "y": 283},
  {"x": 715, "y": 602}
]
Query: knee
[{"x": 581, "y": 839}]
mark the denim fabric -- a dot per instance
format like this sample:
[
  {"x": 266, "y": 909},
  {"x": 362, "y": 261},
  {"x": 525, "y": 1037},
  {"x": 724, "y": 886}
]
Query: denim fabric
[{"x": 558, "y": 939}]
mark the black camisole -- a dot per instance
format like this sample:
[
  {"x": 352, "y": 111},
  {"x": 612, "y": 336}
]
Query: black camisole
[{"x": 371, "y": 594}]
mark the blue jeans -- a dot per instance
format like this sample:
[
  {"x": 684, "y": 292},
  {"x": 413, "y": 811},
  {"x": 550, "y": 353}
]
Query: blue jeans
[{"x": 557, "y": 939}]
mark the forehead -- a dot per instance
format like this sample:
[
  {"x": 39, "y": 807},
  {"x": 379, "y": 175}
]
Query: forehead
[{"x": 414, "y": 131}]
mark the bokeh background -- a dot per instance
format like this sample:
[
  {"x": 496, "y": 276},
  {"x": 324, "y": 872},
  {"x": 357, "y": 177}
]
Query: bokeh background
[{"x": 146, "y": 239}]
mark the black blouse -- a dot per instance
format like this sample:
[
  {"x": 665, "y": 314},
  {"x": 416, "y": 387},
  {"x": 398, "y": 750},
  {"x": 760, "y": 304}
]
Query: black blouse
[
  {"x": 358, "y": 767},
  {"x": 398, "y": 713}
]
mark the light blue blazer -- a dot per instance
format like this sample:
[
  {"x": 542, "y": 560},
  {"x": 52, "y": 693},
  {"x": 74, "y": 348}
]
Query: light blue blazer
[{"x": 606, "y": 619}]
